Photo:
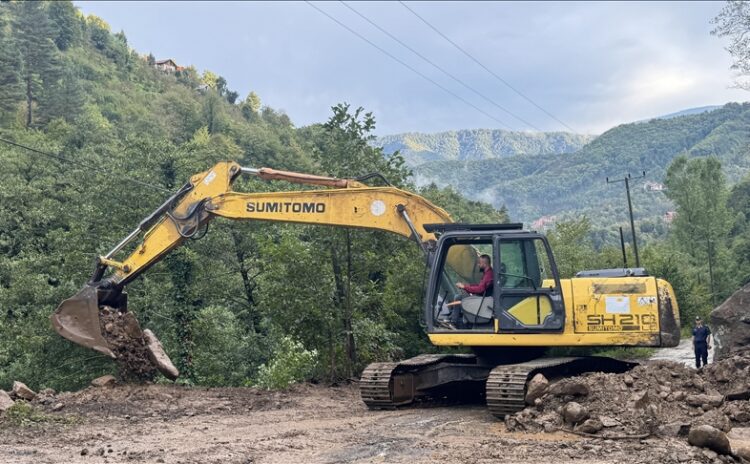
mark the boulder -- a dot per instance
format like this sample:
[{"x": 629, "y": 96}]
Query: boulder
[
  {"x": 5, "y": 401},
  {"x": 609, "y": 421},
  {"x": 569, "y": 388},
  {"x": 709, "y": 437},
  {"x": 715, "y": 418},
  {"x": 104, "y": 381},
  {"x": 159, "y": 357},
  {"x": 730, "y": 324},
  {"x": 537, "y": 388},
  {"x": 713, "y": 401},
  {"x": 20, "y": 390},
  {"x": 574, "y": 413},
  {"x": 590, "y": 426}
]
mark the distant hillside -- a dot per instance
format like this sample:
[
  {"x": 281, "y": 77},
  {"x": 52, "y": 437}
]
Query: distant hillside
[
  {"x": 479, "y": 144},
  {"x": 541, "y": 185},
  {"x": 689, "y": 111}
]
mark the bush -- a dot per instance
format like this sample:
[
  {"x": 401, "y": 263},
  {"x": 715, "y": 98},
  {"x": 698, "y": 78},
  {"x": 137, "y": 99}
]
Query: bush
[
  {"x": 220, "y": 354},
  {"x": 291, "y": 363}
]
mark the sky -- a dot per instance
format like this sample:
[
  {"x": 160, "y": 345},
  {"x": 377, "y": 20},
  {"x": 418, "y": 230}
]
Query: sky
[{"x": 536, "y": 66}]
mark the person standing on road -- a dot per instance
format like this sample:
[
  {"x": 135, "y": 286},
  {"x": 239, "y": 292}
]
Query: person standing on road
[{"x": 701, "y": 342}]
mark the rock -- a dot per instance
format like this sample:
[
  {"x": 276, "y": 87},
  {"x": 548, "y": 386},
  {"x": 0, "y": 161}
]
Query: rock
[
  {"x": 716, "y": 419},
  {"x": 537, "y": 388},
  {"x": 677, "y": 396},
  {"x": 107, "y": 381},
  {"x": 5, "y": 401},
  {"x": 742, "y": 451},
  {"x": 48, "y": 392},
  {"x": 609, "y": 421},
  {"x": 713, "y": 401},
  {"x": 58, "y": 407},
  {"x": 590, "y": 426},
  {"x": 20, "y": 390},
  {"x": 574, "y": 413},
  {"x": 159, "y": 357},
  {"x": 709, "y": 437},
  {"x": 569, "y": 388},
  {"x": 640, "y": 399},
  {"x": 736, "y": 413},
  {"x": 710, "y": 454},
  {"x": 730, "y": 324},
  {"x": 84, "y": 452},
  {"x": 674, "y": 429},
  {"x": 628, "y": 380}
]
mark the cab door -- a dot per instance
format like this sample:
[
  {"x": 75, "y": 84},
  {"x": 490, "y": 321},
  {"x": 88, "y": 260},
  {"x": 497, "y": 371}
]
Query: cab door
[{"x": 527, "y": 286}]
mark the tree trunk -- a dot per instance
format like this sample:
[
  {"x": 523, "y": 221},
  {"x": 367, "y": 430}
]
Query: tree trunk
[
  {"x": 28, "y": 101},
  {"x": 247, "y": 283}
]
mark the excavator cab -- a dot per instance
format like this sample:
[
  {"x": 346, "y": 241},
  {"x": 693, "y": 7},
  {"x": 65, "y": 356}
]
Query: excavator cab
[{"x": 525, "y": 296}]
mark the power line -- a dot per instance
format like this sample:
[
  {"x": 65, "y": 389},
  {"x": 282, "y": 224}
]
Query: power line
[
  {"x": 423, "y": 76},
  {"x": 506, "y": 83},
  {"x": 59, "y": 157},
  {"x": 467, "y": 86}
]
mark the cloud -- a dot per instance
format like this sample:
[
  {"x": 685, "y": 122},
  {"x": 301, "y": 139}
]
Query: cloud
[{"x": 592, "y": 65}]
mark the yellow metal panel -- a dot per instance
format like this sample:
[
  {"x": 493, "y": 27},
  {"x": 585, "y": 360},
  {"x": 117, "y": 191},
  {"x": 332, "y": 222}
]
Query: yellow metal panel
[
  {"x": 564, "y": 339},
  {"x": 529, "y": 313}
]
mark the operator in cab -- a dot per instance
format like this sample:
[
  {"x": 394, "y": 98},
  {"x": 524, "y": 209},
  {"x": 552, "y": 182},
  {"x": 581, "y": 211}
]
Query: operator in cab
[{"x": 482, "y": 288}]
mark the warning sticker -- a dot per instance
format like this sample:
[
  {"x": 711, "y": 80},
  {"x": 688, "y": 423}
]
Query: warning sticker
[{"x": 646, "y": 300}]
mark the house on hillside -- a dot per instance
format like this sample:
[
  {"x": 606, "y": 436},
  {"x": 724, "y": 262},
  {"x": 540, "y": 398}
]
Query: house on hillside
[
  {"x": 543, "y": 222},
  {"x": 168, "y": 65},
  {"x": 654, "y": 187}
]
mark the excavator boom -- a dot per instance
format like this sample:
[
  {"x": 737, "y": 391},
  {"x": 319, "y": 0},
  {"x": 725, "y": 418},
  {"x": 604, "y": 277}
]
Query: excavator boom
[{"x": 348, "y": 203}]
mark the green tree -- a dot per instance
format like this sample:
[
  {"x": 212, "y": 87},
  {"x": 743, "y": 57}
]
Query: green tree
[
  {"x": 11, "y": 91},
  {"x": 251, "y": 106},
  {"x": 67, "y": 21},
  {"x": 40, "y": 64},
  {"x": 698, "y": 188},
  {"x": 98, "y": 32},
  {"x": 572, "y": 246}
]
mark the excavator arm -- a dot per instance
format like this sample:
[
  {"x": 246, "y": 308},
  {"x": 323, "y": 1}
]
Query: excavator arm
[{"x": 346, "y": 203}]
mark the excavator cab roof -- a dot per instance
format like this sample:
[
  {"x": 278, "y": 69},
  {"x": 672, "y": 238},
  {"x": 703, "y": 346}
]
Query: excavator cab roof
[{"x": 438, "y": 229}]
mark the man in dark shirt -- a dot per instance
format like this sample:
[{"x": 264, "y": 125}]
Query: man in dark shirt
[{"x": 701, "y": 342}]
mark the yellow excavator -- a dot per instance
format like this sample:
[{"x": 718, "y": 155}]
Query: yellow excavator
[{"x": 526, "y": 309}]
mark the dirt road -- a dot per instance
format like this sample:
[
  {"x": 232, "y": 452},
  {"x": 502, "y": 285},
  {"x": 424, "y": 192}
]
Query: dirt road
[{"x": 308, "y": 424}]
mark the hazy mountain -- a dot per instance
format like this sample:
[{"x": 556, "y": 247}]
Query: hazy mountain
[
  {"x": 480, "y": 144},
  {"x": 533, "y": 181}
]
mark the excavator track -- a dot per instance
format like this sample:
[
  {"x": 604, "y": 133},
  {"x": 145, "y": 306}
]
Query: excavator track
[
  {"x": 506, "y": 385},
  {"x": 387, "y": 385}
]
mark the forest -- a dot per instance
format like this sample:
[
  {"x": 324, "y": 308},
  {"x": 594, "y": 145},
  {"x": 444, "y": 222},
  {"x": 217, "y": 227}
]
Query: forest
[
  {"x": 94, "y": 137},
  {"x": 251, "y": 303}
]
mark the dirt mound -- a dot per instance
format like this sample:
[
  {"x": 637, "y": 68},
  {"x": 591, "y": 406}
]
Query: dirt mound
[
  {"x": 167, "y": 401},
  {"x": 125, "y": 339},
  {"x": 659, "y": 398}
]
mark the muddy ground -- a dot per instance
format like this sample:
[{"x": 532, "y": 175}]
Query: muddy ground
[{"x": 307, "y": 424}]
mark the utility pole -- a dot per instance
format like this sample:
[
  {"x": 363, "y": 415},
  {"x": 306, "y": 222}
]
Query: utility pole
[{"x": 627, "y": 179}]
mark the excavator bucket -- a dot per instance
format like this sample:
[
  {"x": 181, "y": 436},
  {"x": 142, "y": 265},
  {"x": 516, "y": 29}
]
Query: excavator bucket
[
  {"x": 77, "y": 319},
  {"x": 80, "y": 320}
]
